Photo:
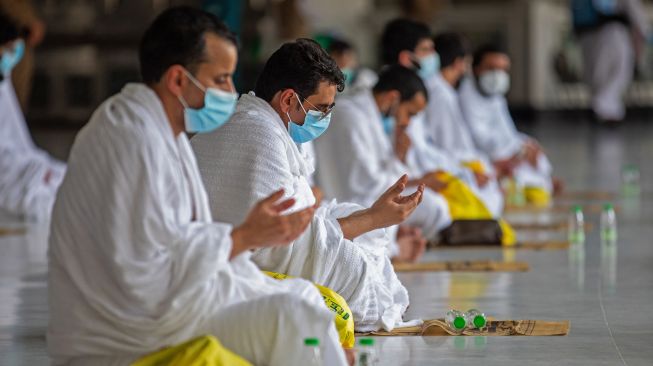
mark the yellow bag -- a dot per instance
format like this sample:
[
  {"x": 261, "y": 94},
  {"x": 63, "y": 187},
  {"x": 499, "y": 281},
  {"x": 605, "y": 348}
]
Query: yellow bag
[
  {"x": 201, "y": 351},
  {"x": 537, "y": 196},
  {"x": 344, "y": 320},
  {"x": 475, "y": 165},
  {"x": 465, "y": 205}
]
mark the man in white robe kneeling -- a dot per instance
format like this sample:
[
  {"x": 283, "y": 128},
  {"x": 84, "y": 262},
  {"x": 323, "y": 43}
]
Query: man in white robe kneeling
[
  {"x": 260, "y": 149},
  {"x": 485, "y": 109},
  {"x": 364, "y": 149},
  {"x": 136, "y": 261},
  {"x": 29, "y": 176}
]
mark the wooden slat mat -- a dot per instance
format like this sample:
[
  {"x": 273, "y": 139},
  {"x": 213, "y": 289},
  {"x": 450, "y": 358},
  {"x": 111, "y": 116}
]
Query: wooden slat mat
[
  {"x": 586, "y": 195},
  {"x": 540, "y": 245},
  {"x": 11, "y": 231},
  {"x": 552, "y": 226},
  {"x": 462, "y": 266},
  {"x": 438, "y": 327},
  {"x": 556, "y": 209}
]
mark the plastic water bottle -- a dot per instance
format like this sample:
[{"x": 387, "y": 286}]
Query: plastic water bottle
[
  {"x": 514, "y": 192},
  {"x": 608, "y": 225},
  {"x": 630, "y": 180},
  {"x": 366, "y": 353},
  {"x": 313, "y": 349},
  {"x": 576, "y": 226},
  {"x": 457, "y": 320},
  {"x": 476, "y": 319}
]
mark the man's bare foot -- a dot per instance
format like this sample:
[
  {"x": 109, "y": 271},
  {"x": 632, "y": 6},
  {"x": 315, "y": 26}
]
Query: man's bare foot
[
  {"x": 412, "y": 244},
  {"x": 350, "y": 353}
]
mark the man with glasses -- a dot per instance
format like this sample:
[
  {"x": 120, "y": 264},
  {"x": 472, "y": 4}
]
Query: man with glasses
[{"x": 260, "y": 149}]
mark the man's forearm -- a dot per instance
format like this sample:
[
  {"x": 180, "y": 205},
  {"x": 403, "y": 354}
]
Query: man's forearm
[
  {"x": 238, "y": 243},
  {"x": 357, "y": 224}
]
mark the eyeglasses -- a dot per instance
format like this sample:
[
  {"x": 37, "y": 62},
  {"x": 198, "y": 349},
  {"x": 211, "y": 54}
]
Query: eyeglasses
[{"x": 323, "y": 113}]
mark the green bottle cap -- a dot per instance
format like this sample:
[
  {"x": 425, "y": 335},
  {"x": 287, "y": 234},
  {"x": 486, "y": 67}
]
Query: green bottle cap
[
  {"x": 608, "y": 207},
  {"x": 366, "y": 341},
  {"x": 479, "y": 321},
  {"x": 311, "y": 342},
  {"x": 577, "y": 208},
  {"x": 459, "y": 322}
]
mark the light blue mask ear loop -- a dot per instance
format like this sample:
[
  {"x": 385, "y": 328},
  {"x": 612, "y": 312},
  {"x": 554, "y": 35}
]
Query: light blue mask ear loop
[
  {"x": 198, "y": 85},
  {"x": 203, "y": 119}
]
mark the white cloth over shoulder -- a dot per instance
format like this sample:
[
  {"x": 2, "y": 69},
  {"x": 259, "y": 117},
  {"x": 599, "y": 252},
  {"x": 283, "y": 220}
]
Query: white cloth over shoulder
[
  {"x": 23, "y": 187},
  {"x": 253, "y": 156},
  {"x": 495, "y": 134},
  {"x": 356, "y": 162},
  {"x": 445, "y": 126},
  {"x": 136, "y": 263}
]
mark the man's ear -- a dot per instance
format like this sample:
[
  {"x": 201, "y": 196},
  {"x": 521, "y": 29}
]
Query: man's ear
[
  {"x": 175, "y": 80},
  {"x": 286, "y": 100},
  {"x": 406, "y": 59}
]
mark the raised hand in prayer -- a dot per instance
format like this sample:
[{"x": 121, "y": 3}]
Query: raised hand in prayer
[
  {"x": 319, "y": 195},
  {"x": 505, "y": 167},
  {"x": 390, "y": 209},
  {"x": 402, "y": 144},
  {"x": 531, "y": 150},
  {"x": 482, "y": 179},
  {"x": 267, "y": 226},
  {"x": 433, "y": 182}
]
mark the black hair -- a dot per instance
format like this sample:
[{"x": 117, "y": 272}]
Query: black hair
[
  {"x": 300, "y": 65},
  {"x": 9, "y": 30},
  {"x": 402, "y": 79},
  {"x": 484, "y": 50},
  {"x": 177, "y": 37},
  {"x": 450, "y": 47},
  {"x": 339, "y": 46},
  {"x": 401, "y": 35}
]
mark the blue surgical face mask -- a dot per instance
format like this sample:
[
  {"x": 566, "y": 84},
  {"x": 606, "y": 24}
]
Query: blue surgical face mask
[
  {"x": 219, "y": 105},
  {"x": 314, "y": 125},
  {"x": 388, "y": 124},
  {"x": 10, "y": 59},
  {"x": 388, "y": 120},
  {"x": 428, "y": 65}
]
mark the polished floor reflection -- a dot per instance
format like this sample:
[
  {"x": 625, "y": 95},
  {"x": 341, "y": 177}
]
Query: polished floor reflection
[{"x": 606, "y": 291}]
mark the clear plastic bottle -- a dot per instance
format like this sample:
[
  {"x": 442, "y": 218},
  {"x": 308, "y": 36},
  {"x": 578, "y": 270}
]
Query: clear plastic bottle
[
  {"x": 630, "y": 180},
  {"x": 514, "y": 192},
  {"x": 608, "y": 225},
  {"x": 476, "y": 319},
  {"x": 313, "y": 348},
  {"x": 457, "y": 320},
  {"x": 576, "y": 226},
  {"x": 366, "y": 352}
]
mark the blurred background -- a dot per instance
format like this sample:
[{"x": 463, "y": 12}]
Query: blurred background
[{"x": 88, "y": 49}]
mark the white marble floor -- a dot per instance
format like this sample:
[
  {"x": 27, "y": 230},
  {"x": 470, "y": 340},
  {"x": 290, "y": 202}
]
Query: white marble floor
[{"x": 607, "y": 296}]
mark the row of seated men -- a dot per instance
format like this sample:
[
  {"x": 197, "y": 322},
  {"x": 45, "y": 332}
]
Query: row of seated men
[{"x": 157, "y": 238}]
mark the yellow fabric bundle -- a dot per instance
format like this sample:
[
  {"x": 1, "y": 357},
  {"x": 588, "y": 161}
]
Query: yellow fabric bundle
[
  {"x": 336, "y": 303},
  {"x": 201, "y": 351}
]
